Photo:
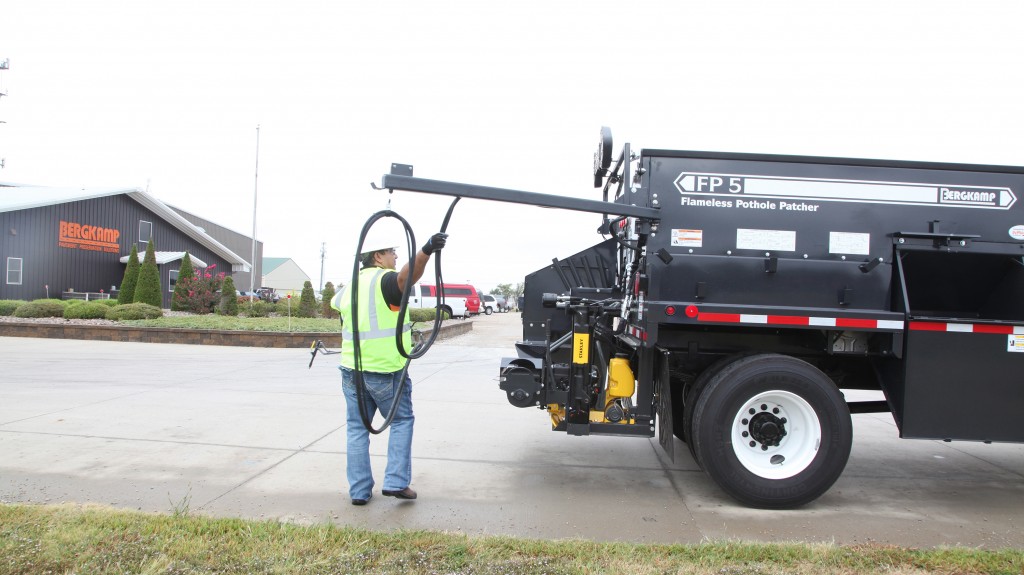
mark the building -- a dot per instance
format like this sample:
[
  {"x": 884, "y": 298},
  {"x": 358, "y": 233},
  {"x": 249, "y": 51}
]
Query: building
[
  {"x": 239, "y": 243},
  {"x": 283, "y": 275},
  {"x": 55, "y": 241}
]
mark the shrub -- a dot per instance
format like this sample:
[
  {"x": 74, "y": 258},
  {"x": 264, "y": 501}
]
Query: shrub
[
  {"x": 86, "y": 310},
  {"x": 7, "y": 306},
  {"x": 147, "y": 290},
  {"x": 228, "y": 298},
  {"x": 40, "y": 308},
  {"x": 199, "y": 291},
  {"x": 307, "y": 302},
  {"x": 257, "y": 308},
  {"x": 422, "y": 314},
  {"x": 325, "y": 301},
  {"x": 110, "y": 302},
  {"x": 131, "y": 277},
  {"x": 134, "y": 311},
  {"x": 281, "y": 307},
  {"x": 185, "y": 272}
]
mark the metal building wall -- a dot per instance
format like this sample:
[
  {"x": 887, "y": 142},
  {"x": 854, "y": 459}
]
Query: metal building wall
[
  {"x": 34, "y": 236},
  {"x": 239, "y": 243}
]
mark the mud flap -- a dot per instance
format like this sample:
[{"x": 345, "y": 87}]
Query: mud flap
[{"x": 663, "y": 391}]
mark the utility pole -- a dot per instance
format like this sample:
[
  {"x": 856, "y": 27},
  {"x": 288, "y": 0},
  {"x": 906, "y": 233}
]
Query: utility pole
[{"x": 323, "y": 256}]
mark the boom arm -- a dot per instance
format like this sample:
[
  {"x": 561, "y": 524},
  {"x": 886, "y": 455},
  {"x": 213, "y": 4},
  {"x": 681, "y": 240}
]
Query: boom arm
[{"x": 401, "y": 178}]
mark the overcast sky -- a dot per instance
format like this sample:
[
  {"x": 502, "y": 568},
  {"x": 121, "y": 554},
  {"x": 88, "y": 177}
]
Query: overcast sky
[{"x": 166, "y": 96}]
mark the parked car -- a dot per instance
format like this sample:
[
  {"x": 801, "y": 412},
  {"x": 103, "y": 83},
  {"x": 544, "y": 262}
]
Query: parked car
[
  {"x": 268, "y": 295},
  {"x": 495, "y": 303},
  {"x": 489, "y": 304}
]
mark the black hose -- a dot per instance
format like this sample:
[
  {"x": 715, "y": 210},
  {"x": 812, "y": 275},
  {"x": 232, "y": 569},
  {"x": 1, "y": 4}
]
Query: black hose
[{"x": 417, "y": 351}]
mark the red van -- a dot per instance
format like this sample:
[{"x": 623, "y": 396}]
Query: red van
[{"x": 466, "y": 292}]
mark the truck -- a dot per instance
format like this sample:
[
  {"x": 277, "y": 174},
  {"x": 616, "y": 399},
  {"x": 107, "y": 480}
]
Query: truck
[
  {"x": 750, "y": 304},
  {"x": 425, "y": 296}
]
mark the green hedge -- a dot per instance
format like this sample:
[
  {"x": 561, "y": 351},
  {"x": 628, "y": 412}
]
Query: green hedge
[
  {"x": 134, "y": 311},
  {"x": 257, "y": 308},
  {"x": 87, "y": 310},
  {"x": 40, "y": 308},
  {"x": 7, "y": 306}
]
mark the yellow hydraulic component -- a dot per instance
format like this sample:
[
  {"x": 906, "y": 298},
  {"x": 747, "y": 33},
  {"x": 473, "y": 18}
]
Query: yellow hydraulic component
[
  {"x": 557, "y": 413},
  {"x": 620, "y": 379}
]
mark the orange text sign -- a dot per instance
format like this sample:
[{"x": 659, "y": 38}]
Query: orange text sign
[{"x": 86, "y": 237}]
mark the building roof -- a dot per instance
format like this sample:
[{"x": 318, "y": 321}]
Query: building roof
[
  {"x": 271, "y": 264},
  {"x": 165, "y": 257},
  {"x": 20, "y": 197}
]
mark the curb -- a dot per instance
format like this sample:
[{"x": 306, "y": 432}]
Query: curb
[{"x": 193, "y": 336}]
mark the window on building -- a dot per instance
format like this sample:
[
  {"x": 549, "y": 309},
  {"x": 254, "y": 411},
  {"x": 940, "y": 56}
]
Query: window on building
[
  {"x": 145, "y": 231},
  {"x": 172, "y": 278},
  {"x": 14, "y": 271}
]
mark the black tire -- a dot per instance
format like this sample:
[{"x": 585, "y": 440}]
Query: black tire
[
  {"x": 447, "y": 310},
  {"x": 794, "y": 416},
  {"x": 692, "y": 392},
  {"x": 488, "y": 311}
]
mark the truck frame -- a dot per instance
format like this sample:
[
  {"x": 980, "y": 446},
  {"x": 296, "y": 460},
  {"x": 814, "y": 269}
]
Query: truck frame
[{"x": 739, "y": 299}]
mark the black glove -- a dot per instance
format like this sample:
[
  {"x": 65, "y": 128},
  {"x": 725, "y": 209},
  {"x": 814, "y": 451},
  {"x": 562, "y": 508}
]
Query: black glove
[{"x": 435, "y": 243}]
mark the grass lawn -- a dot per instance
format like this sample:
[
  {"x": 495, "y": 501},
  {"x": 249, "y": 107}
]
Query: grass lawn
[{"x": 74, "y": 539}]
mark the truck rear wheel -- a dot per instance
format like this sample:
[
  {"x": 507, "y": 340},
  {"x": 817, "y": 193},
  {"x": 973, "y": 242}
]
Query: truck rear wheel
[{"x": 772, "y": 431}]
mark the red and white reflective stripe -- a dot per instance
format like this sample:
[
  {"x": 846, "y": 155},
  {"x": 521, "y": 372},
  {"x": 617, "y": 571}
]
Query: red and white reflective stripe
[
  {"x": 800, "y": 320},
  {"x": 966, "y": 327},
  {"x": 637, "y": 333}
]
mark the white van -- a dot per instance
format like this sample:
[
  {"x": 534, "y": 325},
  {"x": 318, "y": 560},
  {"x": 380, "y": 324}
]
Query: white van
[{"x": 423, "y": 296}]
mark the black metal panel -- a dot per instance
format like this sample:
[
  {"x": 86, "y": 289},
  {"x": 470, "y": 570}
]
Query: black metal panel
[
  {"x": 962, "y": 386},
  {"x": 593, "y": 267},
  {"x": 81, "y": 264}
]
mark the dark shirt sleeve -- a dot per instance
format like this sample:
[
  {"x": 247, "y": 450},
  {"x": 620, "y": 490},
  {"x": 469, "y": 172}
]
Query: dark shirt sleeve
[{"x": 389, "y": 286}]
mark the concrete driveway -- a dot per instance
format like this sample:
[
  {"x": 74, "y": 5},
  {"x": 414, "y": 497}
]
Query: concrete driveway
[{"x": 240, "y": 432}]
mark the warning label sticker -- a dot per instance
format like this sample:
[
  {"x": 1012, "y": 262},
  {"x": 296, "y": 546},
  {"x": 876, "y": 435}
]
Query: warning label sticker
[
  {"x": 688, "y": 238},
  {"x": 1015, "y": 342},
  {"x": 771, "y": 240}
]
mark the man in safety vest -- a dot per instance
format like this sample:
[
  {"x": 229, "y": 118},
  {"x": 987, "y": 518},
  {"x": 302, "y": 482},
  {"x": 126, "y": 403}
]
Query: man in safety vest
[{"x": 380, "y": 295}]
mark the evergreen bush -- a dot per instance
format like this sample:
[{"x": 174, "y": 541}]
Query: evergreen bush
[
  {"x": 282, "y": 306},
  {"x": 186, "y": 275},
  {"x": 87, "y": 310},
  {"x": 147, "y": 290},
  {"x": 109, "y": 302},
  {"x": 228, "y": 298},
  {"x": 422, "y": 314},
  {"x": 257, "y": 308},
  {"x": 307, "y": 302},
  {"x": 131, "y": 277},
  {"x": 325, "y": 301},
  {"x": 134, "y": 311},
  {"x": 40, "y": 308},
  {"x": 7, "y": 306}
]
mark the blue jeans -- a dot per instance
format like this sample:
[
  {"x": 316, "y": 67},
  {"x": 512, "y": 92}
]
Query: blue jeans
[{"x": 380, "y": 392}]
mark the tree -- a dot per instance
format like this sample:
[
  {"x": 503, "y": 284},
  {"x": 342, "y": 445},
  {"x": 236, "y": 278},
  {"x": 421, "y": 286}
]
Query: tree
[
  {"x": 325, "y": 305},
  {"x": 307, "y": 303},
  {"x": 228, "y": 297},
  {"x": 186, "y": 275},
  {"x": 505, "y": 290},
  {"x": 131, "y": 277},
  {"x": 147, "y": 290}
]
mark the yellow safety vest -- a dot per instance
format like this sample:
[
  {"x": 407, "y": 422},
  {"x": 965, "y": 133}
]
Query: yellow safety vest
[{"x": 377, "y": 323}]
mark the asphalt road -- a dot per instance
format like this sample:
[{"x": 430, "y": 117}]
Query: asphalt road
[{"x": 239, "y": 432}]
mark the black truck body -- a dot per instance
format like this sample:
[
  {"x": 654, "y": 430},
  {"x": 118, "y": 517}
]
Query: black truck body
[{"x": 739, "y": 296}]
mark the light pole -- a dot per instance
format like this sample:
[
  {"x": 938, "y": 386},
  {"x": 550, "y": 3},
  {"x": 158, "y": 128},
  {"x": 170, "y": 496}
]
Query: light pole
[{"x": 255, "y": 187}]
